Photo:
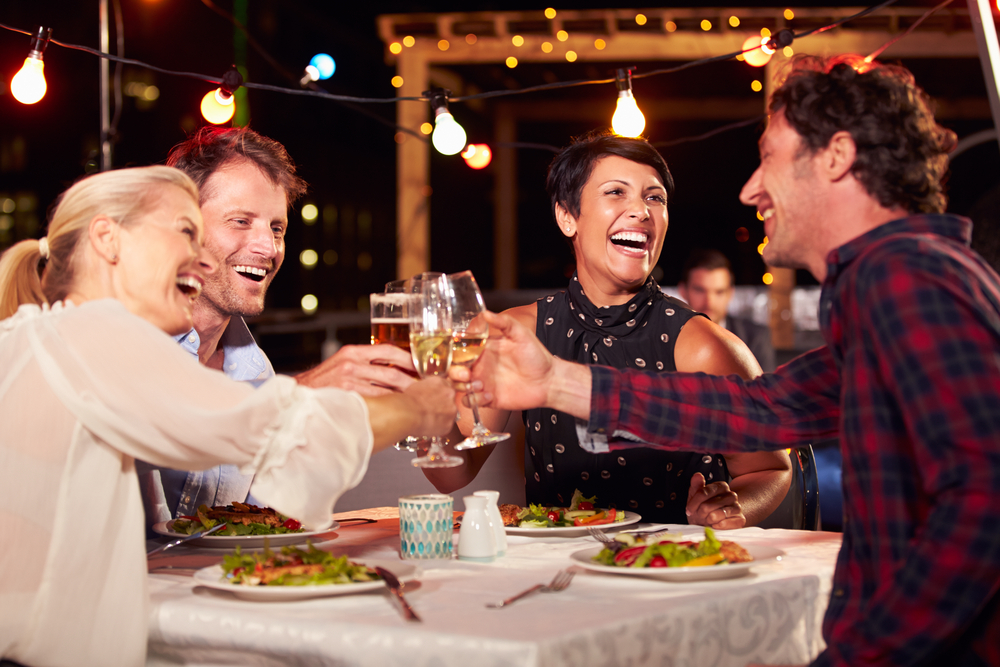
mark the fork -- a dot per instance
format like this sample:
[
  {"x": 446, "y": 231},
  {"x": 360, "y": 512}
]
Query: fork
[
  {"x": 600, "y": 536},
  {"x": 558, "y": 583}
]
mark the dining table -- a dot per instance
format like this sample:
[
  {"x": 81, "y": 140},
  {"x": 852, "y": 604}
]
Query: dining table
[{"x": 771, "y": 614}]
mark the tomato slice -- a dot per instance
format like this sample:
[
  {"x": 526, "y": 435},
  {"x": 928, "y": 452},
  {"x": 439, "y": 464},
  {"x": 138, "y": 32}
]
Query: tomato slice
[
  {"x": 585, "y": 505},
  {"x": 658, "y": 561},
  {"x": 291, "y": 524},
  {"x": 555, "y": 516},
  {"x": 627, "y": 556}
]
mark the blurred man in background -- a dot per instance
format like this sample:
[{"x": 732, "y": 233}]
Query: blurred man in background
[{"x": 707, "y": 285}]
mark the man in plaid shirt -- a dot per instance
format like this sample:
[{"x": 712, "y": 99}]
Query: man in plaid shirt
[{"x": 849, "y": 187}]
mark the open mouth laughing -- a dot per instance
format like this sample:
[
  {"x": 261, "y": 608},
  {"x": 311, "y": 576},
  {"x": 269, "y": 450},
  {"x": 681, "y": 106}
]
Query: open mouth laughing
[
  {"x": 633, "y": 241},
  {"x": 254, "y": 273},
  {"x": 189, "y": 285}
]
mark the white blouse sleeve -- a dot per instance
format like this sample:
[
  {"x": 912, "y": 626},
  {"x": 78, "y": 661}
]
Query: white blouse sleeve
[{"x": 134, "y": 388}]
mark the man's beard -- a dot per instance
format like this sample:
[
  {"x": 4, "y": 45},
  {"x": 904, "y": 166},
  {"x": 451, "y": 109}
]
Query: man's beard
[{"x": 227, "y": 300}]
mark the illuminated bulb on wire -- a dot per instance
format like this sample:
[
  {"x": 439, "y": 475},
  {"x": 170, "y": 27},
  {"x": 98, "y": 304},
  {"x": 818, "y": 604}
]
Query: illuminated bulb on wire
[
  {"x": 757, "y": 57},
  {"x": 477, "y": 156},
  {"x": 448, "y": 136},
  {"x": 628, "y": 121},
  {"x": 219, "y": 105},
  {"x": 28, "y": 85}
]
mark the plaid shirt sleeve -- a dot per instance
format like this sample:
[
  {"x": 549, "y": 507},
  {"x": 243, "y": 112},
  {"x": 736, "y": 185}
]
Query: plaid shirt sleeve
[
  {"x": 928, "y": 372},
  {"x": 798, "y": 403}
]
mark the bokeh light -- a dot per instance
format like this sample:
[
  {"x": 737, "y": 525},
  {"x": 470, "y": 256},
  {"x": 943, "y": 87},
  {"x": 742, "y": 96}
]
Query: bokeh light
[
  {"x": 550, "y": 13},
  {"x": 397, "y": 81},
  {"x": 767, "y": 279},
  {"x": 426, "y": 128},
  {"x": 670, "y": 26},
  {"x": 640, "y": 19},
  {"x": 599, "y": 43},
  {"x": 309, "y": 304},
  {"x": 511, "y": 62},
  {"x": 477, "y": 156},
  {"x": 310, "y": 213},
  {"x": 789, "y": 14},
  {"x": 395, "y": 47},
  {"x": 471, "y": 39},
  {"x": 571, "y": 56},
  {"x": 734, "y": 21},
  {"x": 324, "y": 64},
  {"x": 756, "y": 86},
  {"x": 308, "y": 258},
  {"x": 546, "y": 47},
  {"x": 742, "y": 235},
  {"x": 517, "y": 40},
  {"x": 409, "y": 41},
  {"x": 706, "y": 25},
  {"x": 444, "y": 44}
]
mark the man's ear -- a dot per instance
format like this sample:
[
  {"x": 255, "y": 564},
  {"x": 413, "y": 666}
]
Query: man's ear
[
  {"x": 566, "y": 222},
  {"x": 103, "y": 234},
  {"x": 839, "y": 155}
]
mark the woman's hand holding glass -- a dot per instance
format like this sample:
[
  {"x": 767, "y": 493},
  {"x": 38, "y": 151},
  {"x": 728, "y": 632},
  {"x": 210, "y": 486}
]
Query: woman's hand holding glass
[{"x": 470, "y": 332}]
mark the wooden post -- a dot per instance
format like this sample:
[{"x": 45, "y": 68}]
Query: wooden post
[{"x": 412, "y": 172}]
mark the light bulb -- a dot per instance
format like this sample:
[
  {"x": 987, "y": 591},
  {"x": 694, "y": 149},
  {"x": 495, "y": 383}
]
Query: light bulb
[
  {"x": 216, "y": 108},
  {"x": 28, "y": 85},
  {"x": 628, "y": 121},
  {"x": 448, "y": 137},
  {"x": 757, "y": 57},
  {"x": 477, "y": 156},
  {"x": 324, "y": 64}
]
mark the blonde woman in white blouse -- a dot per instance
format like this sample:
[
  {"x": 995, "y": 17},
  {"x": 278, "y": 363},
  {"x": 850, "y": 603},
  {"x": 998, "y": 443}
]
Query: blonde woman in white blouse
[{"x": 90, "y": 380}]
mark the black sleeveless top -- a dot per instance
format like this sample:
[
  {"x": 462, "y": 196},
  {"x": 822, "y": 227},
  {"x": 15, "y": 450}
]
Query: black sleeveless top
[{"x": 639, "y": 335}]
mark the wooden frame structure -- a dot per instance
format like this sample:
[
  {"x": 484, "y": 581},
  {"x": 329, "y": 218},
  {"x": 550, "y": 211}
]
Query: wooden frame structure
[{"x": 428, "y": 43}]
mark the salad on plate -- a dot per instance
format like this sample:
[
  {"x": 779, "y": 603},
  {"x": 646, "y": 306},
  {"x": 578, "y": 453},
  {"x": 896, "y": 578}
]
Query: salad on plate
[
  {"x": 582, "y": 512},
  {"x": 240, "y": 519},
  {"x": 292, "y": 566},
  {"x": 666, "y": 550}
]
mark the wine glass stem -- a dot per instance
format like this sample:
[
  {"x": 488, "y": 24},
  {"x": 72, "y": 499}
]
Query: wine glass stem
[{"x": 478, "y": 429}]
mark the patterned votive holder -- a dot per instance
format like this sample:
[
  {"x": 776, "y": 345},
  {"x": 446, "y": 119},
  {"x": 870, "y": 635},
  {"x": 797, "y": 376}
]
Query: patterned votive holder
[{"x": 426, "y": 526}]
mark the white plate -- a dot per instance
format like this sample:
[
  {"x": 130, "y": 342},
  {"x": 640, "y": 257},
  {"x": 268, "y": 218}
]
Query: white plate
[
  {"x": 761, "y": 555},
  {"x": 230, "y": 541},
  {"x": 571, "y": 531},
  {"x": 212, "y": 577}
]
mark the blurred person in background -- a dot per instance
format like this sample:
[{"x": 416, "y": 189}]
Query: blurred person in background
[{"x": 707, "y": 286}]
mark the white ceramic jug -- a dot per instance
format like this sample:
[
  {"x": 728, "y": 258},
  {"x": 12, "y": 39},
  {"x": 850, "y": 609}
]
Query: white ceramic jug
[
  {"x": 493, "y": 509},
  {"x": 476, "y": 540}
]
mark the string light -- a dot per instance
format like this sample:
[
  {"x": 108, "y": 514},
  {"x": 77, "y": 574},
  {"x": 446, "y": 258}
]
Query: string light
[
  {"x": 448, "y": 136},
  {"x": 321, "y": 67},
  {"x": 219, "y": 106},
  {"x": 628, "y": 121},
  {"x": 28, "y": 85},
  {"x": 477, "y": 156}
]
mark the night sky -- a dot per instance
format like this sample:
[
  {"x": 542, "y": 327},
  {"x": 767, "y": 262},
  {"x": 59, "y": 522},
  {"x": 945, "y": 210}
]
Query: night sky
[{"x": 348, "y": 155}]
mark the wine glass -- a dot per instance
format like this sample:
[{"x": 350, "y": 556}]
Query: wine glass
[
  {"x": 430, "y": 345},
  {"x": 469, "y": 334},
  {"x": 391, "y": 325}
]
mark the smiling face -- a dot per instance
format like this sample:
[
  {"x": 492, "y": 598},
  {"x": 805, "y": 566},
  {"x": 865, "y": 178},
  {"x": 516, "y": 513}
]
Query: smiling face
[
  {"x": 246, "y": 216},
  {"x": 161, "y": 266},
  {"x": 619, "y": 233},
  {"x": 785, "y": 191}
]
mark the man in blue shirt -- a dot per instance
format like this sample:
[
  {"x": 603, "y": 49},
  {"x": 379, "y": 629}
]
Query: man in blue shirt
[{"x": 247, "y": 184}]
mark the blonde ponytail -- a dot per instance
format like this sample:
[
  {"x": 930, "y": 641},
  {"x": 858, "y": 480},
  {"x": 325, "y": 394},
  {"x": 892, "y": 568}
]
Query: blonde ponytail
[{"x": 19, "y": 279}]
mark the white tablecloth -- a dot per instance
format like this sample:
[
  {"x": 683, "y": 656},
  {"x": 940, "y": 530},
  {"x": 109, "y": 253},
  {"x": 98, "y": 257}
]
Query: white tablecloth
[{"x": 773, "y": 615}]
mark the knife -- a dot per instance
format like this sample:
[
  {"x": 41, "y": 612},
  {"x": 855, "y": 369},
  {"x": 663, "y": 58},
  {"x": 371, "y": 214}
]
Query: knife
[{"x": 396, "y": 589}]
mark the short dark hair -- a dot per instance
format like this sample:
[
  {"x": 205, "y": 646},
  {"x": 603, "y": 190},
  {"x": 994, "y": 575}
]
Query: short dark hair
[
  {"x": 211, "y": 148},
  {"x": 902, "y": 153},
  {"x": 571, "y": 168},
  {"x": 707, "y": 259}
]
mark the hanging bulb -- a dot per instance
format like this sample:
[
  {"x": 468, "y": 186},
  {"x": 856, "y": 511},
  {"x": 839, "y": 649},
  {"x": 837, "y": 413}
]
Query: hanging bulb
[
  {"x": 477, "y": 156},
  {"x": 628, "y": 121},
  {"x": 28, "y": 85},
  {"x": 322, "y": 66},
  {"x": 448, "y": 136},
  {"x": 759, "y": 53},
  {"x": 219, "y": 106}
]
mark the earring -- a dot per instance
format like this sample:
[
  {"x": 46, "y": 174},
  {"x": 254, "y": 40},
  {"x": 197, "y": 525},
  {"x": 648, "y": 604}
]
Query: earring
[{"x": 114, "y": 258}]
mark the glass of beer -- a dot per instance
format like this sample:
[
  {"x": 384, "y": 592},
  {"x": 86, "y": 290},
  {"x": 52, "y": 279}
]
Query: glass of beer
[{"x": 391, "y": 326}]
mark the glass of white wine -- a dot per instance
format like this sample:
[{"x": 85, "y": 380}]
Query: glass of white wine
[
  {"x": 469, "y": 335},
  {"x": 430, "y": 346}
]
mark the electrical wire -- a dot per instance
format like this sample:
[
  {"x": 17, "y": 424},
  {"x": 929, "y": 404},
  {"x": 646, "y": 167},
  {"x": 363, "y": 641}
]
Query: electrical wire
[{"x": 875, "y": 54}]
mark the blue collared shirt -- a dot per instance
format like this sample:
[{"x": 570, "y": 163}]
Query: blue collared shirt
[{"x": 179, "y": 492}]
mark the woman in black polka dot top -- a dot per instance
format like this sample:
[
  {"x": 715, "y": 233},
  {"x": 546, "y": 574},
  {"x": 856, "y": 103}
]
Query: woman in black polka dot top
[{"x": 609, "y": 196}]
